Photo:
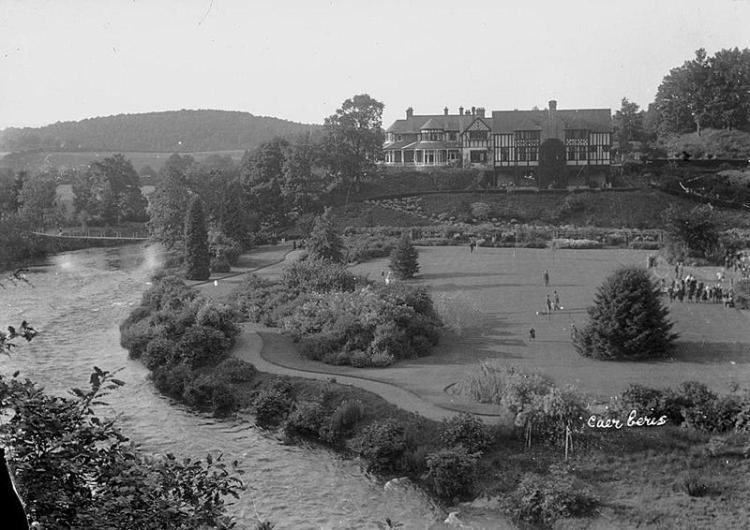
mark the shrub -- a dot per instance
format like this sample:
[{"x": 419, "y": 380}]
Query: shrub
[
  {"x": 317, "y": 275},
  {"x": 135, "y": 338},
  {"x": 343, "y": 420},
  {"x": 202, "y": 346},
  {"x": 235, "y": 370},
  {"x": 218, "y": 316},
  {"x": 580, "y": 244},
  {"x": 220, "y": 265},
  {"x": 382, "y": 445},
  {"x": 199, "y": 391},
  {"x": 168, "y": 292},
  {"x": 359, "y": 359},
  {"x": 716, "y": 416},
  {"x": 271, "y": 406},
  {"x": 404, "y": 259},
  {"x": 197, "y": 259},
  {"x": 628, "y": 320},
  {"x": 223, "y": 400},
  {"x": 305, "y": 419},
  {"x": 466, "y": 430},
  {"x": 452, "y": 472},
  {"x": 654, "y": 403},
  {"x": 692, "y": 483},
  {"x": 171, "y": 379},
  {"x": 543, "y": 500},
  {"x": 159, "y": 352}
]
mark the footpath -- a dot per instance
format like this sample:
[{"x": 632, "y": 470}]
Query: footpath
[{"x": 272, "y": 352}]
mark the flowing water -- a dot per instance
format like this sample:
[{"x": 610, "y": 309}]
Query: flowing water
[{"x": 76, "y": 302}]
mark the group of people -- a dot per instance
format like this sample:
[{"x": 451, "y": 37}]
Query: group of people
[{"x": 697, "y": 291}]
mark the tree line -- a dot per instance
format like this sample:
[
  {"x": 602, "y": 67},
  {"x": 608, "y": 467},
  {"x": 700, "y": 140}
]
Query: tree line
[
  {"x": 184, "y": 130},
  {"x": 706, "y": 92}
]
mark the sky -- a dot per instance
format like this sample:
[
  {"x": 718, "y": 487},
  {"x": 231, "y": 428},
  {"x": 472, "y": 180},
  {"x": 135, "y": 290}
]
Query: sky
[{"x": 299, "y": 60}]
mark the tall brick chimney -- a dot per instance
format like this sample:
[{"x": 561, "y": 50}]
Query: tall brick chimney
[
  {"x": 473, "y": 111},
  {"x": 552, "y": 105},
  {"x": 445, "y": 111},
  {"x": 409, "y": 112},
  {"x": 480, "y": 112},
  {"x": 460, "y": 111}
]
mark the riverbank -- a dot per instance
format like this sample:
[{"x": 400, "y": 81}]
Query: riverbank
[{"x": 644, "y": 466}]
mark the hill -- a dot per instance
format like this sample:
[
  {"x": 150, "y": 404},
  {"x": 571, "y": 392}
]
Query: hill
[{"x": 169, "y": 132}]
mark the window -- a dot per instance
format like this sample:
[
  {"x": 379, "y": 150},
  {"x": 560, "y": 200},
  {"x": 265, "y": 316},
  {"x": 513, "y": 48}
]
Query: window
[
  {"x": 505, "y": 154},
  {"x": 451, "y": 136},
  {"x": 521, "y": 154},
  {"x": 478, "y": 157},
  {"x": 477, "y": 135},
  {"x": 571, "y": 152},
  {"x": 582, "y": 153},
  {"x": 576, "y": 134}
]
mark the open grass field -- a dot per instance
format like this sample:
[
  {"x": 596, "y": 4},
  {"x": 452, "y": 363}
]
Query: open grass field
[{"x": 490, "y": 298}]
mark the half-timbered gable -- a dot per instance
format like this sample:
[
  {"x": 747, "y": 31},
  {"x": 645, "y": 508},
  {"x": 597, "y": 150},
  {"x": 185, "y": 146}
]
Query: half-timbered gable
[{"x": 509, "y": 139}]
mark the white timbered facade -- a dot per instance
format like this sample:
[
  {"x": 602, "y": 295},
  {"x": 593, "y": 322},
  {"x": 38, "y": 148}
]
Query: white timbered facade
[{"x": 507, "y": 140}]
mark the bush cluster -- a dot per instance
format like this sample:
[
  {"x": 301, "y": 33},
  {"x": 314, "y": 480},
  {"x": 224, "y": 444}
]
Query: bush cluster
[
  {"x": 542, "y": 500},
  {"x": 538, "y": 406},
  {"x": 365, "y": 246},
  {"x": 576, "y": 244},
  {"x": 692, "y": 404},
  {"x": 373, "y": 326},
  {"x": 176, "y": 333}
]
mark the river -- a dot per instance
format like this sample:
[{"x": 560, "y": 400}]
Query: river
[{"x": 76, "y": 302}]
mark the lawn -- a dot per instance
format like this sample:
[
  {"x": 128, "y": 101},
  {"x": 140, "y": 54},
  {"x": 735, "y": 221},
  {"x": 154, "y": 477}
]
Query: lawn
[{"x": 490, "y": 299}]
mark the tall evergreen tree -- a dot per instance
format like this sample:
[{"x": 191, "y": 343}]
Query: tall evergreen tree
[
  {"x": 628, "y": 320},
  {"x": 404, "y": 259},
  {"x": 324, "y": 242},
  {"x": 197, "y": 258}
]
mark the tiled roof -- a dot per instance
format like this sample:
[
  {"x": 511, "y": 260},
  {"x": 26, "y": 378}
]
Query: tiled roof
[
  {"x": 451, "y": 122},
  {"x": 432, "y": 123},
  {"x": 519, "y": 120}
]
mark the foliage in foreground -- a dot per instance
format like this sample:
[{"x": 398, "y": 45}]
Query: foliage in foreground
[
  {"x": 628, "y": 320},
  {"x": 77, "y": 469}
]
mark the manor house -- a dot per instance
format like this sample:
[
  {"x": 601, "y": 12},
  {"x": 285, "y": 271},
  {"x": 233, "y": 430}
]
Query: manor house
[{"x": 548, "y": 146}]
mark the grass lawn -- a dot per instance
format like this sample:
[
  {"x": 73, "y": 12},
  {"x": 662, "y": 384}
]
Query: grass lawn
[{"x": 490, "y": 299}]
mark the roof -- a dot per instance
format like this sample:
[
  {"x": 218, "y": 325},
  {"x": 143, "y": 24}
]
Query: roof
[
  {"x": 449, "y": 122},
  {"x": 432, "y": 123},
  {"x": 507, "y": 121}
]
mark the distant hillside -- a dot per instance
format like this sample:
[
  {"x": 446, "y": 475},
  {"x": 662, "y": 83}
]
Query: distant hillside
[{"x": 172, "y": 131}]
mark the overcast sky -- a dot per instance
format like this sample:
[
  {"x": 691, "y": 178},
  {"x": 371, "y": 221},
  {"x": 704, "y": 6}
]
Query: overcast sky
[{"x": 299, "y": 60}]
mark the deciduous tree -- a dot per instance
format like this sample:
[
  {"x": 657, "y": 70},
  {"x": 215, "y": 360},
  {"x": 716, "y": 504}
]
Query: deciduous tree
[{"x": 354, "y": 139}]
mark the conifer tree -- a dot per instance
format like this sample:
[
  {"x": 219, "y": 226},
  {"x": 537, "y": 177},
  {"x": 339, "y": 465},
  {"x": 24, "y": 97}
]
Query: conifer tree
[
  {"x": 197, "y": 258},
  {"x": 628, "y": 320},
  {"x": 404, "y": 262},
  {"x": 324, "y": 242}
]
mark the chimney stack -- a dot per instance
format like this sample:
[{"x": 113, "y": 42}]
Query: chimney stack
[
  {"x": 460, "y": 111},
  {"x": 445, "y": 111},
  {"x": 409, "y": 112},
  {"x": 480, "y": 112},
  {"x": 552, "y": 105},
  {"x": 473, "y": 111}
]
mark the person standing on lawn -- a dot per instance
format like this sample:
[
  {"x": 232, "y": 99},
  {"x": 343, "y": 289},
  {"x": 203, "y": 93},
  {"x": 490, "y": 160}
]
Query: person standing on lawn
[{"x": 546, "y": 278}]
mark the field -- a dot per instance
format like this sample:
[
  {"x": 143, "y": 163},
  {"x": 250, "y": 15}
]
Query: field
[{"x": 490, "y": 299}]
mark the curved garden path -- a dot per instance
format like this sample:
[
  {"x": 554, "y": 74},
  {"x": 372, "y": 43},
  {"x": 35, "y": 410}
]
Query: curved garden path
[{"x": 272, "y": 352}]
